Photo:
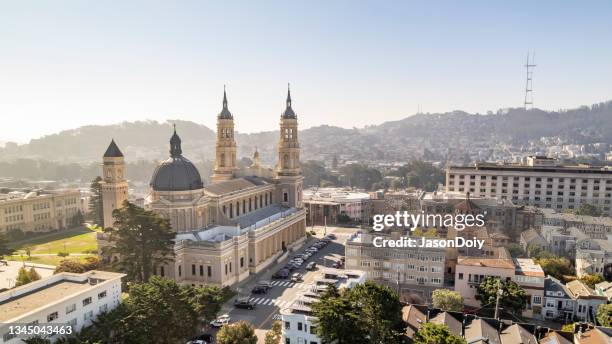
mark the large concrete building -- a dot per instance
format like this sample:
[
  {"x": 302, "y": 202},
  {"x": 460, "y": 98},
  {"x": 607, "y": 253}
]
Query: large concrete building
[
  {"x": 541, "y": 182},
  {"x": 416, "y": 272},
  {"x": 62, "y": 299},
  {"x": 239, "y": 224},
  {"x": 39, "y": 211}
]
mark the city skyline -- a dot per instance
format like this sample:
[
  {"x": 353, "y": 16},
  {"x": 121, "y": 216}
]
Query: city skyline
[{"x": 73, "y": 64}]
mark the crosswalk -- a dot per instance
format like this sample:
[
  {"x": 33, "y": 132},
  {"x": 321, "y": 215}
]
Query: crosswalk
[
  {"x": 263, "y": 301},
  {"x": 289, "y": 284}
]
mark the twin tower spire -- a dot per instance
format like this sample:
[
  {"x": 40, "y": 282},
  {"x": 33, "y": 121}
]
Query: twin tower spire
[{"x": 225, "y": 147}]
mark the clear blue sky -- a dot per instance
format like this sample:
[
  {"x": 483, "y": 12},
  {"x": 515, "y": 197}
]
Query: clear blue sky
[{"x": 64, "y": 64}]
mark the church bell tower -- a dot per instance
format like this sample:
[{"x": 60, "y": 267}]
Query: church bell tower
[
  {"x": 288, "y": 171},
  {"x": 225, "y": 158},
  {"x": 114, "y": 186}
]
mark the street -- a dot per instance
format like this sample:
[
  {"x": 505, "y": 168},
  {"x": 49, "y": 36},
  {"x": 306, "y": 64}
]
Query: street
[{"x": 284, "y": 292}]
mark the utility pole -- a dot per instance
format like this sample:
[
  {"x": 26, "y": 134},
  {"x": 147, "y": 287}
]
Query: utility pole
[
  {"x": 499, "y": 295},
  {"x": 528, "y": 103}
]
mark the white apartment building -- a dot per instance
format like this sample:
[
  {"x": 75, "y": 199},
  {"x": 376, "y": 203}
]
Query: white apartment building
[
  {"x": 297, "y": 319},
  {"x": 541, "y": 182},
  {"x": 61, "y": 299},
  {"x": 593, "y": 256}
]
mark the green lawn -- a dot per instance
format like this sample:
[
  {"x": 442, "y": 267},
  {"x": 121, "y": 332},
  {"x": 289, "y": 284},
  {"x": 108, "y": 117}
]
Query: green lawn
[
  {"x": 79, "y": 240},
  {"x": 48, "y": 260}
]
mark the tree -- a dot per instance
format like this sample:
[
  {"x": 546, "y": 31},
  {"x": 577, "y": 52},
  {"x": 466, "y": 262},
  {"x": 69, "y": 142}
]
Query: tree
[
  {"x": 163, "y": 310},
  {"x": 142, "y": 239},
  {"x": 26, "y": 276},
  {"x": 592, "y": 280},
  {"x": 76, "y": 266},
  {"x": 95, "y": 201},
  {"x": 512, "y": 299},
  {"x": 604, "y": 315},
  {"x": 237, "y": 333},
  {"x": 431, "y": 333},
  {"x": 274, "y": 335},
  {"x": 396, "y": 184},
  {"x": 556, "y": 266},
  {"x": 367, "y": 313},
  {"x": 447, "y": 300},
  {"x": 588, "y": 210},
  {"x": 4, "y": 247},
  {"x": 516, "y": 251},
  {"x": 207, "y": 300}
]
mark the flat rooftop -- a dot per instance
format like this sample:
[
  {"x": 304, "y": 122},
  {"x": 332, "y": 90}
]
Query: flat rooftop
[
  {"x": 254, "y": 220},
  {"x": 41, "y": 293}
]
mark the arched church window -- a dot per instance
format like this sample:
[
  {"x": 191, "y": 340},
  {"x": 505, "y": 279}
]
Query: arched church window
[
  {"x": 222, "y": 162},
  {"x": 286, "y": 161}
]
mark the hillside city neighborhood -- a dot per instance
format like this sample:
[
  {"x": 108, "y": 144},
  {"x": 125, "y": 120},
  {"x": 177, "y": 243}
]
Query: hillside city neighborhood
[{"x": 264, "y": 253}]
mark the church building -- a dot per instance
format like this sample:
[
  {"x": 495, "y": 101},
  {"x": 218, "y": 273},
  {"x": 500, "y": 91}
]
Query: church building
[{"x": 239, "y": 224}]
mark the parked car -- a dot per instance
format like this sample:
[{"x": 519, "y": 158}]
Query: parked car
[
  {"x": 296, "y": 277},
  {"x": 281, "y": 274},
  {"x": 244, "y": 304},
  {"x": 312, "y": 248},
  {"x": 290, "y": 266},
  {"x": 331, "y": 236},
  {"x": 343, "y": 259},
  {"x": 220, "y": 321},
  {"x": 259, "y": 289},
  {"x": 265, "y": 284},
  {"x": 311, "y": 266},
  {"x": 202, "y": 339},
  {"x": 337, "y": 265}
]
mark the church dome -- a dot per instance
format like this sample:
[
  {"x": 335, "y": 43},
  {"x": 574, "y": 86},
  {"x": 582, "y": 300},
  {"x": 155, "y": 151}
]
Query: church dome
[{"x": 177, "y": 173}]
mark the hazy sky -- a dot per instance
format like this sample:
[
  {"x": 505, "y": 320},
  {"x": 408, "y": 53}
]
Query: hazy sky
[{"x": 64, "y": 64}]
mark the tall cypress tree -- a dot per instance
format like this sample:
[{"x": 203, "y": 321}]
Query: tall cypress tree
[
  {"x": 95, "y": 201},
  {"x": 142, "y": 239}
]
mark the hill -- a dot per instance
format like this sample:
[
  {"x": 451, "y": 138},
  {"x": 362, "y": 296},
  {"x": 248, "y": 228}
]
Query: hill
[{"x": 397, "y": 140}]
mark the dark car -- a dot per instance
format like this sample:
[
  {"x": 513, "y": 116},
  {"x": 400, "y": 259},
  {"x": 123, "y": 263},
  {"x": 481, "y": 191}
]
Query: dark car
[
  {"x": 281, "y": 274},
  {"x": 244, "y": 304},
  {"x": 258, "y": 289},
  {"x": 202, "y": 339},
  {"x": 291, "y": 267},
  {"x": 331, "y": 236}
]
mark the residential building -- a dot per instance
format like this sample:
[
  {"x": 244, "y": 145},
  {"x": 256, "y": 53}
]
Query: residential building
[
  {"x": 532, "y": 239},
  {"x": 561, "y": 241},
  {"x": 588, "y": 334},
  {"x": 330, "y": 205},
  {"x": 501, "y": 215},
  {"x": 470, "y": 272},
  {"x": 62, "y": 299},
  {"x": 595, "y": 227},
  {"x": 236, "y": 226},
  {"x": 541, "y": 182},
  {"x": 516, "y": 334},
  {"x": 415, "y": 272},
  {"x": 604, "y": 289},
  {"x": 530, "y": 276},
  {"x": 558, "y": 301},
  {"x": 39, "y": 210},
  {"x": 298, "y": 321},
  {"x": 587, "y": 301},
  {"x": 594, "y": 256}
]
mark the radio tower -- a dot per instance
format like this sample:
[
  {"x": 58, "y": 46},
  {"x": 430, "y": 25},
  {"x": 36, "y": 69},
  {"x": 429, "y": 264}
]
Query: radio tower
[{"x": 528, "y": 84}]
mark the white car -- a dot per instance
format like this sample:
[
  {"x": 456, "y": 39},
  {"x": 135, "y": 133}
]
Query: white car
[
  {"x": 220, "y": 321},
  {"x": 296, "y": 277}
]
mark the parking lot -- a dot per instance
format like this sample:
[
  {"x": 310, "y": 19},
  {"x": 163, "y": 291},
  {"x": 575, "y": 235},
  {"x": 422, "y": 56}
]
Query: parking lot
[{"x": 283, "y": 292}]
